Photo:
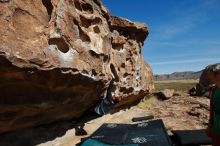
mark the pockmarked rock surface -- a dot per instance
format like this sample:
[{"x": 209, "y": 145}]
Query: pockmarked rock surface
[{"x": 58, "y": 57}]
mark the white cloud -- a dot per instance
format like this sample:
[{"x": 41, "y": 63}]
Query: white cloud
[
  {"x": 186, "y": 19},
  {"x": 212, "y": 43},
  {"x": 186, "y": 61}
]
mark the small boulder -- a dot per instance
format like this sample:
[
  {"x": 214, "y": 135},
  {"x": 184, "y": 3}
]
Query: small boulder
[
  {"x": 165, "y": 94},
  {"x": 192, "y": 91},
  {"x": 178, "y": 93}
]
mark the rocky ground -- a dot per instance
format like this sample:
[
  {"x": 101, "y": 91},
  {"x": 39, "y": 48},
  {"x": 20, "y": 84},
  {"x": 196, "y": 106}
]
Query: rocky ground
[
  {"x": 180, "y": 112},
  {"x": 183, "y": 112}
]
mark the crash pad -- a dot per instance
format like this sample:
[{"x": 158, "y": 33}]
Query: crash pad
[
  {"x": 192, "y": 137},
  {"x": 151, "y": 133}
]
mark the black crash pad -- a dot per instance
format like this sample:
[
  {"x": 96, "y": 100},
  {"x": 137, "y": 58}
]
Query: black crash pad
[
  {"x": 192, "y": 137},
  {"x": 150, "y": 133},
  {"x": 138, "y": 119}
]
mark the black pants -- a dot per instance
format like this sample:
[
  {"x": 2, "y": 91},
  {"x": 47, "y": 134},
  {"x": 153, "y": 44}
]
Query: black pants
[{"x": 104, "y": 106}]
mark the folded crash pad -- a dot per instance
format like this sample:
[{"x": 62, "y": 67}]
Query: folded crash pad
[
  {"x": 150, "y": 133},
  {"x": 137, "y": 119},
  {"x": 192, "y": 137}
]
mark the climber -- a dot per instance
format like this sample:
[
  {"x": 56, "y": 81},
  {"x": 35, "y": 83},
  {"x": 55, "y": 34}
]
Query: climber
[
  {"x": 108, "y": 101},
  {"x": 214, "y": 121}
]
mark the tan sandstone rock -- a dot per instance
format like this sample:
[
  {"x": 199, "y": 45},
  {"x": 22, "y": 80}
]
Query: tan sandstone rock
[{"x": 57, "y": 59}]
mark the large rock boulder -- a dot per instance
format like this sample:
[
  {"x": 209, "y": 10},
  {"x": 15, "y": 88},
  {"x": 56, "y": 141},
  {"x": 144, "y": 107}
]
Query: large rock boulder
[
  {"x": 57, "y": 59},
  {"x": 203, "y": 86}
]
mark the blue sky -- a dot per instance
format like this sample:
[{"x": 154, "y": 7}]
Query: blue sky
[{"x": 184, "y": 35}]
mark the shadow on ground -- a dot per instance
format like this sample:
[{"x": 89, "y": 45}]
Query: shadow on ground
[{"x": 41, "y": 134}]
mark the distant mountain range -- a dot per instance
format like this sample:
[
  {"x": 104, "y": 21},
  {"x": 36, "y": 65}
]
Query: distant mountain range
[{"x": 179, "y": 76}]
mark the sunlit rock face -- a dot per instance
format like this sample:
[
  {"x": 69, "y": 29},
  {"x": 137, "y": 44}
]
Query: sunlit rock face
[
  {"x": 133, "y": 76},
  {"x": 57, "y": 58}
]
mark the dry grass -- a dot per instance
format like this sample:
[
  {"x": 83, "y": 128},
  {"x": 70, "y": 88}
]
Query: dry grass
[
  {"x": 148, "y": 102},
  {"x": 177, "y": 85}
]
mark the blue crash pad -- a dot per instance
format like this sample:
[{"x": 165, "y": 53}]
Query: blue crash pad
[{"x": 92, "y": 142}]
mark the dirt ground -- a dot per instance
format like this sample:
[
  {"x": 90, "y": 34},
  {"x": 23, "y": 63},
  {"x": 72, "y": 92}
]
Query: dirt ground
[
  {"x": 183, "y": 112},
  {"x": 180, "y": 112}
]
